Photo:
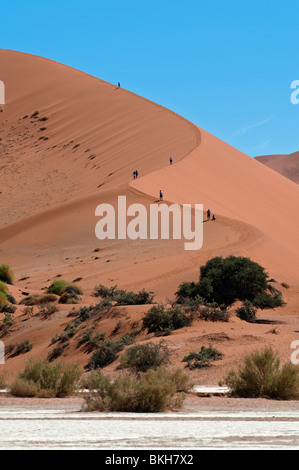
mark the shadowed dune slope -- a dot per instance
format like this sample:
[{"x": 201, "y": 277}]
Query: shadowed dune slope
[{"x": 286, "y": 165}]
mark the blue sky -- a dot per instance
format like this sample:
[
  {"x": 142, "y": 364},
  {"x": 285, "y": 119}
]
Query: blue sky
[{"x": 226, "y": 65}]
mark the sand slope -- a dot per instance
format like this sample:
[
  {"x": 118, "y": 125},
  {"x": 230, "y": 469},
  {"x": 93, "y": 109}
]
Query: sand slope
[{"x": 236, "y": 186}]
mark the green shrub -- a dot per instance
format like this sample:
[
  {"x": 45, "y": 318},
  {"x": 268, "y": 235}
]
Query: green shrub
[
  {"x": 153, "y": 391},
  {"x": 143, "y": 357},
  {"x": 6, "y": 274},
  {"x": 36, "y": 299},
  {"x": 22, "y": 348},
  {"x": 161, "y": 322},
  {"x": 224, "y": 281},
  {"x": 68, "y": 299},
  {"x": 44, "y": 380},
  {"x": 247, "y": 312},
  {"x": 107, "y": 351},
  {"x": 213, "y": 313},
  {"x": 3, "y": 288},
  {"x": 203, "y": 358},
  {"x": 57, "y": 287},
  {"x": 122, "y": 297},
  {"x": 260, "y": 376},
  {"x": 58, "y": 351},
  {"x": 266, "y": 301},
  {"x": 7, "y": 308},
  {"x": 47, "y": 310}
]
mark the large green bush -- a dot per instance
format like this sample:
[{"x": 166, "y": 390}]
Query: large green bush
[{"x": 225, "y": 281}]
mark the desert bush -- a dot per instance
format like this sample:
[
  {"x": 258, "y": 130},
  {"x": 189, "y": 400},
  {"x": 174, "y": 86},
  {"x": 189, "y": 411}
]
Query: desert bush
[
  {"x": 143, "y": 357},
  {"x": 21, "y": 348},
  {"x": 3, "y": 380},
  {"x": 162, "y": 322},
  {"x": 68, "y": 292},
  {"x": 203, "y": 358},
  {"x": 58, "y": 351},
  {"x": 57, "y": 287},
  {"x": 3, "y": 288},
  {"x": 224, "y": 281},
  {"x": 68, "y": 299},
  {"x": 266, "y": 301},
  {"x": 6, "y": 274},
  {"x": 47, "y": 310},
  {"x": 213, "y": 313},
  {"x": 7, "y": 308},
  {"x": 107, "y": 351},
  {"x": 36, "y": 299},
  {"x": 247, "y": 312},
  {"x": 122, "y": 297},
  {"x": 44, "y": 380},
  {"x": 261, "y": 376},
  {"x": 28, "y": 311},
  {"x": 153, "y": 391}
]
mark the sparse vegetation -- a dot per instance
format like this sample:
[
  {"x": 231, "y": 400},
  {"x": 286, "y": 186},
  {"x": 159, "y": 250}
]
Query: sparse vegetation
[
  {"x": 58, "y": 287},
  {"x": 6, "y": 274},
  {"x": 122, "y": 297},
  {"x": 36, "y": 299},
  {"x": 107, "y": 351},
  {"x": 203, "y": 358},
  {"x": 153, "y": 391},
  {"x": 68, "y": 292},
  {"x": 213, "y": 313},
  {"x": 20, "y": 348},
  {"x": 47, "y": 310},
  {"x": 247, "y": 312},
  {"x": 163, "y": 321},
  {"x": 143, "y": 357},
  {"x": 260, "y": 375},
  {"x": 46, "y": 380}
]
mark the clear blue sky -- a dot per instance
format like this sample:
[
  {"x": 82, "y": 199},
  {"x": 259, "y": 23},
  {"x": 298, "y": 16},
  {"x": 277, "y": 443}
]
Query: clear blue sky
[{"x": 226, "y": 65}]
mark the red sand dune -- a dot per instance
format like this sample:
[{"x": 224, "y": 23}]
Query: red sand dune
[
  {"x": 286, "y": 165},
  {"x": 96, "y": 135}
]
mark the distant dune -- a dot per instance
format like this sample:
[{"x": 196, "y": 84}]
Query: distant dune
[{"x": 286, "y": 165}]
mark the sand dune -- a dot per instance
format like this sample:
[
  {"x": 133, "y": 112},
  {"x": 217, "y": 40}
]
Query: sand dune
[
  {"x": 95, "y": 135},
  {"x": 235, "y": 186},
  {"x": 286, "y": 165}
]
